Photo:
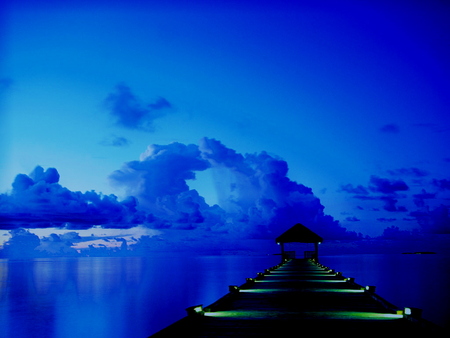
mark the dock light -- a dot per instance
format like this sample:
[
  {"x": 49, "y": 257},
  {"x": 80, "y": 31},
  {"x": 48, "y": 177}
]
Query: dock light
[
  {"x": 259, "y": 275},
  {"x": 196, "y": 310},
  {"x": 412, "y": 312},
  {"x": 233, "y": 288},
  {"x": 350, "y": 279},
  {"x": 370, "y": 288}
]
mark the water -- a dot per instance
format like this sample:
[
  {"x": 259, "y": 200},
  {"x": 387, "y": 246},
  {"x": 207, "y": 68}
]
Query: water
[
  {"x": 112, "y": 296},
  {"x": 421, "y": 281},
  {"x": 135, "y": 296}
]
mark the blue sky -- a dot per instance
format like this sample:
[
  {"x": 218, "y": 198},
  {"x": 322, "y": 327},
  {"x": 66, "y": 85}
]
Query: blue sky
[{"x": 354, "y": 96}]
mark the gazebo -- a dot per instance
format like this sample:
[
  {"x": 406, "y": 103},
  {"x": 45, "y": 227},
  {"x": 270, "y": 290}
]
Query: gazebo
[{"x": 299, "y": 234}]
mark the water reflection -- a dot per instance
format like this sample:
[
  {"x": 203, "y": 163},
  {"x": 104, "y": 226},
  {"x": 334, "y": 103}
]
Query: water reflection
[{"x": 112, "y": 296}]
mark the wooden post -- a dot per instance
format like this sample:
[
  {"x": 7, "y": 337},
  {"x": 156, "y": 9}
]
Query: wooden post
[{"x": 316, "y": 254}]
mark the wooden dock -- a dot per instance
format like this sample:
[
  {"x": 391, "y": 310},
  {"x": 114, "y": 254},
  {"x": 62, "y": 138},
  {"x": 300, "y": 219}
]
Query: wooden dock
[{"x": 296, "y": 297}]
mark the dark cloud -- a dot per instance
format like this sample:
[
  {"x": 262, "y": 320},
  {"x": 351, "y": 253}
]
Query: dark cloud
[
  {"x": 419, "y": 199},
  {"x": 386, "y": 186},
  {"x": 390, "y": 204},
  {"x": 377, "y": 185},
  {"x": 39, "y": 201},
  {"x": 441, "y": 184},
  {"x": 129, "y": 112},
  {"x": 391, "y": 128},
  {"x": 352, "y": 219},
  {"x": 115, "y": 141}
]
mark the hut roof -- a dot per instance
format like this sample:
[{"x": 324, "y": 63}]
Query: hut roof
[{"x": 300, "y": 234}]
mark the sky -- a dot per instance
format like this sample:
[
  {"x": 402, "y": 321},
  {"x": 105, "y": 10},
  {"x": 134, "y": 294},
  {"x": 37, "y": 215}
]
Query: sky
[{"x": 185, "y": 121}]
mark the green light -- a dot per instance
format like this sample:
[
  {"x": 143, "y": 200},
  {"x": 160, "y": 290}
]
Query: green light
[
  {"x": 304, "y": 290},
  {"x": 306, "y": 315}
]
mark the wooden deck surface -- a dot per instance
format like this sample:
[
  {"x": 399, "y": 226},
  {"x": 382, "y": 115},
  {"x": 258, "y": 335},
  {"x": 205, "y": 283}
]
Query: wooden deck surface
[{"x": 297, "y": 297}]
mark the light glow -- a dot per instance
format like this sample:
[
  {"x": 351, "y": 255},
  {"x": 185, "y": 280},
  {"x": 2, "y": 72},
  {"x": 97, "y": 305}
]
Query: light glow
[{"x": 305, "y": 315}]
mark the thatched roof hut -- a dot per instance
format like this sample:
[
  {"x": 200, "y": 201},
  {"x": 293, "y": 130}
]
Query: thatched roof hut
[{"x": 299, "y": 234}]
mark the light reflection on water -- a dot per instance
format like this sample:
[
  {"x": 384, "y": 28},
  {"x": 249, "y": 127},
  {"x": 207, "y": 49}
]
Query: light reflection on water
[{"x": 112, "y": 296}]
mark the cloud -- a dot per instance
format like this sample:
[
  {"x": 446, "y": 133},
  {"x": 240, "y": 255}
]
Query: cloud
[
  {"x": 359, "y": 190},
  {"x": 352, "y": 219},
  {"x": 408, "y": 172},
  {"x": 394, "y": 233},
  {"x": 390, "y": 204},
  {"x": 419, "y": 199},
  {"x": 55, "y": 245},
  {"x": 441, "y": 184},
  {"x": 386, "y": 220},
  {"x": 386, "y": 186},
  {"x": 377, "y": 185},
  {"x": 115, "y": 141},
  {"x": 435, "y": 221},
  {"x": 22, "y": 244},
  {"x": 129, "y": 112},
  {"x": 159, "y": 178},
  {"x": 37, "y": 200},
  {"x": 256, "y": 198},
  {"x": 390, "y": 129},
  {"x": 381, "y": 189}
]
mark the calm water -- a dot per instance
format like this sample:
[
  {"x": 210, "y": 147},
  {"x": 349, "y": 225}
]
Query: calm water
[
  {"x": 421, "y": 281},
  {"x": 135, "y": 297}
]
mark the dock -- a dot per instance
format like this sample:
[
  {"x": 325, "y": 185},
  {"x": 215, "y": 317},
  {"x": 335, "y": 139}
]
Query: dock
[{"x": 300, "y": 296}]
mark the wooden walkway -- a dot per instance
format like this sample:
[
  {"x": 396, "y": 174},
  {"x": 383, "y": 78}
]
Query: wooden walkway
[{"x": 297, "y": 297}]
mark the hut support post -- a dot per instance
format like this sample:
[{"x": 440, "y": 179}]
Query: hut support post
[
  {"x": 283, "y": 254},
  {"x": 316, "y": 254}
]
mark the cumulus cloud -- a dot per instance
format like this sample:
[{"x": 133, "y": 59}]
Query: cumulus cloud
[
  {"x": 129, "y": 112},
  {"x": 37, "y": 200},
  {"x": 256, "y": 198}
]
